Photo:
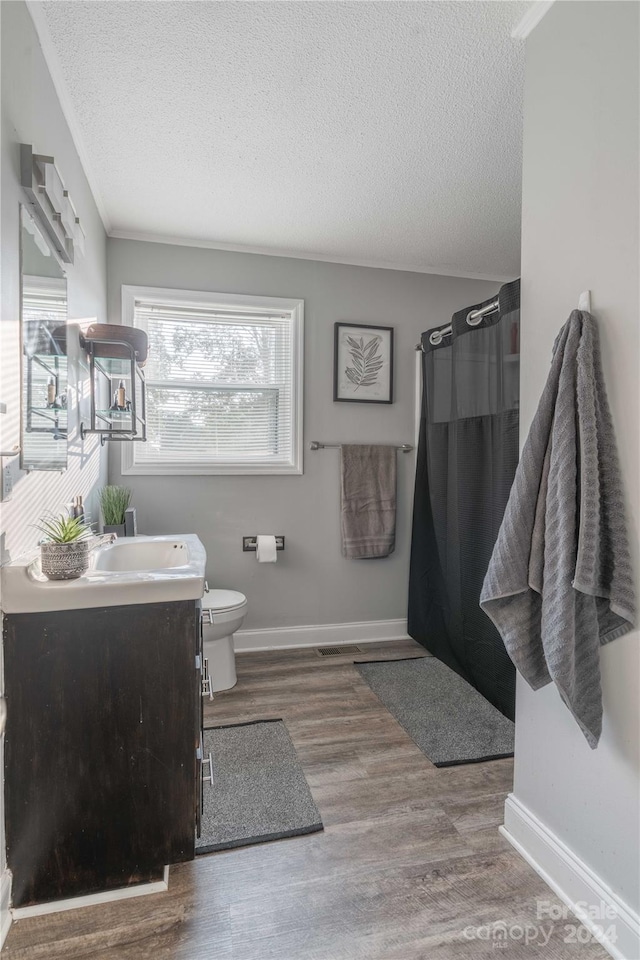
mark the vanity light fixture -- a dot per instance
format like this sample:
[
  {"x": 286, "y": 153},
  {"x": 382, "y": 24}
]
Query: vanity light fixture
[{"x": 50, "y": 203}]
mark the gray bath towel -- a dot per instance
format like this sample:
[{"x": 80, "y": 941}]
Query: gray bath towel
[
  {"x": 560, "y": 581},
  {"x": 368, "y": 502}
]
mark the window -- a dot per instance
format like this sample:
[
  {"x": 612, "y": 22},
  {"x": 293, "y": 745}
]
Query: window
[{"x": 224, "y": 383}]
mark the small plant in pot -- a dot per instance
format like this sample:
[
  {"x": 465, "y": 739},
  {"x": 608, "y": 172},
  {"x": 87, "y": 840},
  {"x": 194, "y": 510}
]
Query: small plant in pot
[
  {"x": 114, "y": 502},
  {"x": 64, "y": 554}
]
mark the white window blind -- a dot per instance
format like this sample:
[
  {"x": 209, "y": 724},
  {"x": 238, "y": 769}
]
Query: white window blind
[
  {"x": 223, "y": 386},
  {"x": 44, "y": 310}
]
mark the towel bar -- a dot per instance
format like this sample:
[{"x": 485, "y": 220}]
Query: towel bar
[{"x": 316, "y": 445}]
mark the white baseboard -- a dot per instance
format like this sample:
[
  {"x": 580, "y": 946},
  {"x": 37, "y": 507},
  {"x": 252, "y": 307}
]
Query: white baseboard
[
  {"x": 322, "y": 635},
  {"x": 593, "y": 902},
  {"x": 5, "y": 905},
  {"x": 91, "y": 899}
]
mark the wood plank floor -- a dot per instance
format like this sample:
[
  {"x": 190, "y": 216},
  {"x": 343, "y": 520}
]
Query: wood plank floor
[{"x": 409, "y": 858}]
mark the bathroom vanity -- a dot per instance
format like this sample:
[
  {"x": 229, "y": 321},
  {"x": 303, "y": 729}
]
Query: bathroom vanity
[{"x": 103, "y": 742}]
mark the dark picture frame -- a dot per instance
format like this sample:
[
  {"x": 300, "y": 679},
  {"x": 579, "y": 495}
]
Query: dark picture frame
[{"x": 362, "y": 363}]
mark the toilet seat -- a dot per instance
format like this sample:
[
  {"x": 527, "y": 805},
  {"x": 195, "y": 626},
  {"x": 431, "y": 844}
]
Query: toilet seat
[{"x": 223, "y": 601}]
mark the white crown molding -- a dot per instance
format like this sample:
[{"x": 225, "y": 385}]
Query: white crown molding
[
  {"x": 57, "y": 76},
  {"x": 321, "y": 635},
  {"x": 531, "y": 19},
  {"x": 577, "y": 885},
  {"x": 143, "y": 237}
]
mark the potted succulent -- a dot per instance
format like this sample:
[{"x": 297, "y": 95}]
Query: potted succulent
[
  {"x": 64, "y": 554},
  {"x": 114, "y": 502}
]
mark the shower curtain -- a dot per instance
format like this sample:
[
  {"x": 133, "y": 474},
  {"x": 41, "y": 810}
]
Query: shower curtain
[{"x": 467, "y": 458}]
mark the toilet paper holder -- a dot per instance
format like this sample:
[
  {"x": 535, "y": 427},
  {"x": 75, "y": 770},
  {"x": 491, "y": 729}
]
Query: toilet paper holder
[{"x": 251, "y": 544}]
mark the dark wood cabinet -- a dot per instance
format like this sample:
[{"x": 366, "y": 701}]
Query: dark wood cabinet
[{"x": 102, "y": 776}]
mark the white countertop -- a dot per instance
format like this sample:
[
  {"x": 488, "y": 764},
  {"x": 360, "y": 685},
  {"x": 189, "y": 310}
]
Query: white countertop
[{"x": 25, "y": 589}]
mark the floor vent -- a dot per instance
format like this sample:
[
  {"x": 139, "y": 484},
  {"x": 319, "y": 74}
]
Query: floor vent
[{"x": 337, "y": 651}]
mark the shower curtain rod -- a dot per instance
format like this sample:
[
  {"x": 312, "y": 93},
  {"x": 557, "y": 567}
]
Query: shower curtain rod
[
  {"x": 316, "y": 445},
  {"x": 475, "y": 316},
  {"x": 473, "y": 319}
]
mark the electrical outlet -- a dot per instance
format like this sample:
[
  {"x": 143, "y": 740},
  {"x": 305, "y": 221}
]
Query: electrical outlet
[{"x": 7, "y": 481}]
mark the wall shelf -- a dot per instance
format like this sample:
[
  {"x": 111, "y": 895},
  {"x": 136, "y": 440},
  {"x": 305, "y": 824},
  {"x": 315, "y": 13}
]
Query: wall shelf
[
  {"x": 114, "y": 416},
  {"x": 43, "y": 417},
  {"x": 116, "y": 354}
]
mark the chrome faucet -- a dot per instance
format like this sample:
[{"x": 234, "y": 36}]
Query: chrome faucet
[{"x": 103, "y": 540}]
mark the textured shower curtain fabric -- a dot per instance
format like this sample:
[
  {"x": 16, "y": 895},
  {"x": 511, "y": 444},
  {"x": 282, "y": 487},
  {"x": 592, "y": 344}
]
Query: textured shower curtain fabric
[{"x": 467, "y": 458}]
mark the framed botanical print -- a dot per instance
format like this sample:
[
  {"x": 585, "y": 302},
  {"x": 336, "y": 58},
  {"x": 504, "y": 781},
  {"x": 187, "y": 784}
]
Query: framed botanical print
[{"x": 363, "y": 363}]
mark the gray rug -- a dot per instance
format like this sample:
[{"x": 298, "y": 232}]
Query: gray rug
[
  {"x": 260, "y": 792},
  {"x": 448, "y": 719}
]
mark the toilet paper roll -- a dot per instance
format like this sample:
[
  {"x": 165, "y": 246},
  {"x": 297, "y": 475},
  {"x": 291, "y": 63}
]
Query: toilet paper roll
[{"x": 266, "y": 549}]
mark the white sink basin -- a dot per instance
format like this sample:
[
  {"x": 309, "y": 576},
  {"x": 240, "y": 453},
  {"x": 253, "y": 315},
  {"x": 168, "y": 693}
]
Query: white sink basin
[
  {"x": 142, "y": 553},
  {"x": 131, "y": 570}
]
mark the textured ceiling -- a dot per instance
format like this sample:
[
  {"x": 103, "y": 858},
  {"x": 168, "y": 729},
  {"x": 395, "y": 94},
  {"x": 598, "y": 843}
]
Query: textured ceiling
[{"x": 379, "y": 132}]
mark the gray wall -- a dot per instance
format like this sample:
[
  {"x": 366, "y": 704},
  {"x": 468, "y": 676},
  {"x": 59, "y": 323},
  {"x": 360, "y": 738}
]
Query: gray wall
[
  {"x": 311, "y": 582},
  {"x": 31, "y": 113},
  {"x": 580, "y": 231}
]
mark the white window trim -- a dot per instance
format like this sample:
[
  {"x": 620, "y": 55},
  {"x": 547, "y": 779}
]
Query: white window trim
[{"x": 222, "y": 301}]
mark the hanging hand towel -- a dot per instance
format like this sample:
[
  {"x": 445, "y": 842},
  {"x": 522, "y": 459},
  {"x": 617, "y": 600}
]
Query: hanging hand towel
[
  {"x": 560, "y": 581},
  {"x": 368, "y": 502}
]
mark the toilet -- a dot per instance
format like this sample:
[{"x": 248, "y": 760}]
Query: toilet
[{"x": 222, "y": 614}]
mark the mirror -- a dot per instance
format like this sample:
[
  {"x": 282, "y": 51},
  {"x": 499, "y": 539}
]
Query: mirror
[{"x": 44, "y": 351}]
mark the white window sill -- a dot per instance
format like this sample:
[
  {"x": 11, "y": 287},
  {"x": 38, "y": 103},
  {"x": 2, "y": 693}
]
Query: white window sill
[{"x": 215, "y": 470}]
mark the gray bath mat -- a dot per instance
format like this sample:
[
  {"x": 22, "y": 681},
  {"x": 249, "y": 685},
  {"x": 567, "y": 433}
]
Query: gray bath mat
[
  {"x": 448, "y": 719},
  {"x": 259, "y": 791}
]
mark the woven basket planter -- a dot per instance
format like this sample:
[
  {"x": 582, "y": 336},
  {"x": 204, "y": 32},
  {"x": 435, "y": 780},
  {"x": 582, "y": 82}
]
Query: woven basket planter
[{"x": 64, "y": 561}]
